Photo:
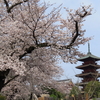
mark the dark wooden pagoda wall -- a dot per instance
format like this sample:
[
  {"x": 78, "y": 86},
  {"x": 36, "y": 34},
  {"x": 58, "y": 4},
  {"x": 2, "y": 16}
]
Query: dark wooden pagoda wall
[
  {"x": 89, "y": 78},
  {"x": 89, "y": 69},
  {"x": 89, "y": 62}
]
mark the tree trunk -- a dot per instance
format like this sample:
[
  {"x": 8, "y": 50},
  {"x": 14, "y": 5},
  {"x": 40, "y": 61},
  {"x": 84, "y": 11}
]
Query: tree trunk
[
  {"x": 31, "y": 96},
  {"x": 3, "y": 75}
]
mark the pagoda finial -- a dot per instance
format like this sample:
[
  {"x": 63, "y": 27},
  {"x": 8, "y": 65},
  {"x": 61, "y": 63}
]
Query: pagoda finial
[{"x": 89, "y": 48}]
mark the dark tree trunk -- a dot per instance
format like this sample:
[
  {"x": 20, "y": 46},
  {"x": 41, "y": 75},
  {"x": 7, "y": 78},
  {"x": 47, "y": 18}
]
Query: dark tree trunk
[
  {"x": 31, "y": 96},
  {"x": 3, "y": 75}
]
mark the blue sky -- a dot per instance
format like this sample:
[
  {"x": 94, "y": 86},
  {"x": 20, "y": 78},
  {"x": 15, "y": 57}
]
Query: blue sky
[{"x": 92, "y": 27}]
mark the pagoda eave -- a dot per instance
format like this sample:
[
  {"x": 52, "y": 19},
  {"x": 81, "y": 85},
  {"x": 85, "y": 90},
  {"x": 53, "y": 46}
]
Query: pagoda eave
[
  {"x": 83, "y": 66},
  {"x": 89, "y": 56},
  {"x": 88, "y": 74},
  {"x": 82, "y": 60}
]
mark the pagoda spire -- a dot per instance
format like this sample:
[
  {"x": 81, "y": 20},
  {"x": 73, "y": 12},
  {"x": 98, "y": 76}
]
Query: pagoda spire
[{"x": 89, "y": 48}]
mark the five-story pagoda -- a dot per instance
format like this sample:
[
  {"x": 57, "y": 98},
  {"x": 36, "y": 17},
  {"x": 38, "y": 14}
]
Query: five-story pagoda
[{"x": 89, "y": 67}]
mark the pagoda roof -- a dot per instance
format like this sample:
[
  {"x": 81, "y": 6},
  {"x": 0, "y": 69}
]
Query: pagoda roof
[
  {"x": 89, "y": 55},
  {"x": 84, "y": 66},
  {"x": 88, "y": 74}
]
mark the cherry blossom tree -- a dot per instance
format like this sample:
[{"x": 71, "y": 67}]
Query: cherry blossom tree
[
  {"x": 35, "y": 78},
  {"x": 33, "y": 38}
]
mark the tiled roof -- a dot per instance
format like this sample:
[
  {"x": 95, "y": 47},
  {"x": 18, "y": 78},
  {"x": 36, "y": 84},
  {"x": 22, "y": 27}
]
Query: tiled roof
[
  {"x": 89, "y": 55},
  {"x": 83, "y": 66},
  {"x": 86, "y": 74}
]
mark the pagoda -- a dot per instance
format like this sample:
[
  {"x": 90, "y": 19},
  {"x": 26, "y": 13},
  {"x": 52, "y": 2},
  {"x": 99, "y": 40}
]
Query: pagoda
[{"x": 89, "y": 68}]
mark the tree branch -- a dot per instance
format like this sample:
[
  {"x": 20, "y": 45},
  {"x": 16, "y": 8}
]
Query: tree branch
[
  {"x": 32, "y": 48},
  {"x": 82, "y": 14},
  {"x": 76, "y": 33},
  {"x": 6, "y": 3},
  {"x": 10, "y": 80},
  {"x": 75, "y": 36},
  {"x": 9, "y": 8}
]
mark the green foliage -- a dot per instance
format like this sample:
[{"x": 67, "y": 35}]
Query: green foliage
[
  {"x": 2, "y": 97},
  {"x": 54, "y": 93},
  {"x": 75, "y": 91},
  {"x": 93, "y": 89},
  {"x": 94, "y": 98}
]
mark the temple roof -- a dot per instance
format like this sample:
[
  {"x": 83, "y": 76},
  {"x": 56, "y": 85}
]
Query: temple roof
[
  {"x": 84, "y": 66},
  {"x": 88, "y": 74},
  {"x": 89, "y": 55}
]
